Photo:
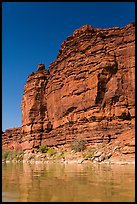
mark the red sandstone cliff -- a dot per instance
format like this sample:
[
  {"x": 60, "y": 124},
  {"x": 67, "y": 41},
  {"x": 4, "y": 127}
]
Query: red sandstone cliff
[{"x": 87, "y": 93}]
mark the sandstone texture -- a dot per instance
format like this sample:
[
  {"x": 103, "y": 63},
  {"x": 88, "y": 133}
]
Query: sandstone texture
[
  {"x": 88, "y": 93},
  {"x": 12, "y": 138}
]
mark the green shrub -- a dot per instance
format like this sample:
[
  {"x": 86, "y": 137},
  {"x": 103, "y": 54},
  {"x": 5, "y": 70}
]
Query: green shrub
[
  {"x": 10, "y": 155},
  {"x": 19, "y": 155},
  {"x": 51, "y": 151},
  {"x": 89, "y": 155},
  {"x": 43, "y": 149},
  {"x": 5, "y": 154},
  {"x": 78, "y": 145}
]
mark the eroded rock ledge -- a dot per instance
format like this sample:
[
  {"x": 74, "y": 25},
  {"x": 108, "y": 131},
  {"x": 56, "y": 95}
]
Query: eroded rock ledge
[{"x": 88, "y": 93}]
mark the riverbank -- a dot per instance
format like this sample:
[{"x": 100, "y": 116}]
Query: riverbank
[{"x": 52, "y": 155}]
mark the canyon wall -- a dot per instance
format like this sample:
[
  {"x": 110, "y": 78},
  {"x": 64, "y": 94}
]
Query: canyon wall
[{"x": 88, "y": 93}]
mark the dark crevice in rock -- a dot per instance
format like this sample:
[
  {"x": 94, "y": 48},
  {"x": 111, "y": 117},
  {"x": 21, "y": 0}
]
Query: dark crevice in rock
[
  {"x": 125, "y": 116},
  {"x": 49, "y": 127},
  {"x": 69, "y": 110},
  {"x": 103, "y": 79}
]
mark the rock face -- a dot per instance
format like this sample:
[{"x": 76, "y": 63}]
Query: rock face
[
  {"x": 88, "y": 93},
  {"x": 34, "y": 102},
  {"x": 12, "y": 138}
]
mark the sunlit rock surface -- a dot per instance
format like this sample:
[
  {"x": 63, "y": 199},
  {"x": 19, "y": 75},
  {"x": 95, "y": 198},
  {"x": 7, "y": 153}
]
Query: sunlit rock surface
[{"x": 87, "y": 93}]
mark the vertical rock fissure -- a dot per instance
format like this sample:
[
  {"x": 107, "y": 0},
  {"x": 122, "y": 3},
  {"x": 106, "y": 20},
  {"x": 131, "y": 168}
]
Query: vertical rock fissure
[{"x": 103, "y": 78}]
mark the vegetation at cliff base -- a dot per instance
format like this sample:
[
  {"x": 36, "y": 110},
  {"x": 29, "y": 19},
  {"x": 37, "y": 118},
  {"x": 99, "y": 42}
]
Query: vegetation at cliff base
[
  {"x": 9, "y": 155},
  {"x": 43, "y": 149},
  {"x": 78, "y": 145}
]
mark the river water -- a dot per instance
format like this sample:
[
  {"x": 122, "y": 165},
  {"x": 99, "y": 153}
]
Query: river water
[{"x": 23, "y": 182}]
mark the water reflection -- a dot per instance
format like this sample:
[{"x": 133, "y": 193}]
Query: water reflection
[{"x": 68, "y": 182}]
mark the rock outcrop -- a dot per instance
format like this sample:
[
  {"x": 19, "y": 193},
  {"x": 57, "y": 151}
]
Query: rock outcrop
[
  {"x": 12, "y": 139},
  {"x": 88, "y": 93}
]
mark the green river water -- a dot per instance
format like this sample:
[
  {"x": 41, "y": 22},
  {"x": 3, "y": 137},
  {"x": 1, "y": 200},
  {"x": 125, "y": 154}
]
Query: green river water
[{"x": 23, "y": 182}]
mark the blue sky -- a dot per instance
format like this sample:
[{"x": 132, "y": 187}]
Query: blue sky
[{"x": 32, "y": 33}]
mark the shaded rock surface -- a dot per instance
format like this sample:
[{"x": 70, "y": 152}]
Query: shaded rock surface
[{"x": 88, "y": 93}]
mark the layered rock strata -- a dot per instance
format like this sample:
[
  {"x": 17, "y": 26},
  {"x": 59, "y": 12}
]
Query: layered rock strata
[
  {"x": 88, "y": 93},
  {"x": 12, "y": 139}
]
